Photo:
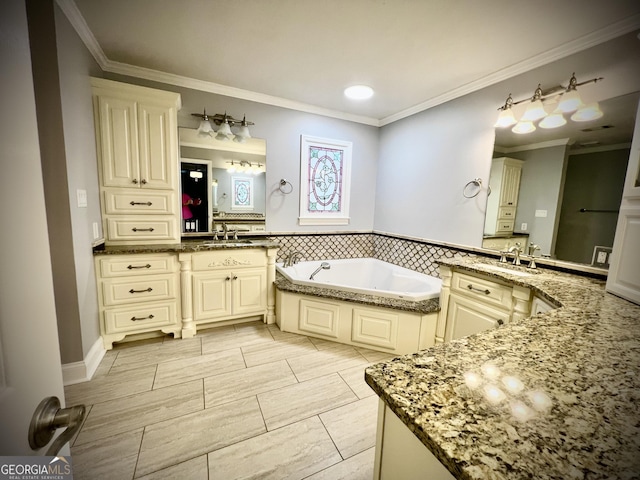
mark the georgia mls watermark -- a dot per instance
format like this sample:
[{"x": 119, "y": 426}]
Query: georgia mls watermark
[{"x": 36, "y": 468}]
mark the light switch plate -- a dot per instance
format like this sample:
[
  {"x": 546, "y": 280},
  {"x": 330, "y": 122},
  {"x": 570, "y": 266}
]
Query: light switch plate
[
  {"x": 541, "y": 213},
  {"x": 82, "y": 198},
  {"x": 96, "y": 231}
]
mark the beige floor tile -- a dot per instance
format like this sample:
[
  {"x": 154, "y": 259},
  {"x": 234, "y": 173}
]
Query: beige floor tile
[
  {"x": 167, "y": 443},
  {"x": 108, "y": 458},
  {"x": 295, "y": 451},
  {"x": 355, "y": 379},
  {"x": 302, "y": 400},
  {"x": 235, "y": 339},
  {"x": 358, "y": 467},
  {"x": 262, "y": 353},
  {"x": 279, "y": 334},
  {"x": 251, "y": 381},
  {"x": 187, "y": 369},
  {"x": 130, "y": 413},
  {"x": 374, "y": 356},
  {"x": 323, "y": 362},
  {"x": 194, "y": 469},
  {"x": 105, "y": 364},
  {"x": 353, "y": 426},
  {"x": 155, "y": 353},
  {"x": 109, "y": 387}
]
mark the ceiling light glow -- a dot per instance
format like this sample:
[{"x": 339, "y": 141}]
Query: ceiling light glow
[{"x": 358, "y": 92}]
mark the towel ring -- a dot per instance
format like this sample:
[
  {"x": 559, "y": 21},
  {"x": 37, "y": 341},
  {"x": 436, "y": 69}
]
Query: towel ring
[
  {"x": 477, "y": 182},
  {"x": 283, "y": 185}
]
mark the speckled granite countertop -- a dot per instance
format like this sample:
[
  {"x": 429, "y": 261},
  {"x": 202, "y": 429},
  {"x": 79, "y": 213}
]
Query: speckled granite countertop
[
  {"x": 570, "y": 379},
  {"x": 425, "y": 306},
  {"x": 187, "y": 245}
]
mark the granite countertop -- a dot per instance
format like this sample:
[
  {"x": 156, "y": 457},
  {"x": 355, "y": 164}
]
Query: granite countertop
[
  {"x": 424, "y": 306},
  {"x": 187, "y": 245},
  {"x": 570, "y": 379}
]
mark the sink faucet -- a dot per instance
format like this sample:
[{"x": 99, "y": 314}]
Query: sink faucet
[
  {"x": 516, "y": 250},
  {"x": 292, "y": 258},
  {"x": 225, "y": 229},
  {"x": 532, "y": 261}
]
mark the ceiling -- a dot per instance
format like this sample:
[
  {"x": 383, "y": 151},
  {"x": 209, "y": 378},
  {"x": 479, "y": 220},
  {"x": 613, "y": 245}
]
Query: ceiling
[{"x": 301, "y": 54}]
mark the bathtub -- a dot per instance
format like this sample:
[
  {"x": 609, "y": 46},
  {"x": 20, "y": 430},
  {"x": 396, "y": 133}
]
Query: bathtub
[{"x": 365, "y": 275}]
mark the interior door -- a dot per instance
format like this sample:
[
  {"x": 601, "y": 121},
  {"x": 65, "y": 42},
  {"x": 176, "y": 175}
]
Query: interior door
[{"x": 30, "y": 367}]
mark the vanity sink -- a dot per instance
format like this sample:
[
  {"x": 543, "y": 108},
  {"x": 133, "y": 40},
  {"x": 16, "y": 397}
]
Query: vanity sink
[
  {"x": 214, "y": 243},
  {"x": 510, "y": 271}
]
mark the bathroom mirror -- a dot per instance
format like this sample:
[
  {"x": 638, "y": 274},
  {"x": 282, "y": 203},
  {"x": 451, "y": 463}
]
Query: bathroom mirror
[
  {"x": 570, "y": 184},
  {"x": 222, "y": 184}
]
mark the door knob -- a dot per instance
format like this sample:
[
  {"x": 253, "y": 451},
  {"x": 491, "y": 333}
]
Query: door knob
[{"x": 47, "y": 418}]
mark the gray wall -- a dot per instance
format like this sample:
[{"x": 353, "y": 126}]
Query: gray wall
[
  {"x": 540, "y": 189},
  {"x": 594, "y": 181},
  {"x": 425, "y": 160},
  {"x": 282, "y": 129}
]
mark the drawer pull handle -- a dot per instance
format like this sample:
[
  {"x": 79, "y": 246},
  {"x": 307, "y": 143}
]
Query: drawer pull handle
[
  {"x": 135, "y": 229},
  {"x": 148, "y": 204},
  {"x": 141, "y": 291},
  {"x": 486, "y": 291},
  {"x": 131, "y": 267},
  {"x": 135, "y": 319}
]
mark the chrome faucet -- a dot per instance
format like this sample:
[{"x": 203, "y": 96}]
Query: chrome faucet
[
  {"x": 532, "y": 261},
  {"x": 323, "y": 266},
  {"x": 225, "y": 229},
  {"x": 292, "y": 258},
  {"x": 516, "y": 250}
]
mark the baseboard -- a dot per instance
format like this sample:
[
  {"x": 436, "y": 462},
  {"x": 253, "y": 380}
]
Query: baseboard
[{"x": 78, "y": 372}]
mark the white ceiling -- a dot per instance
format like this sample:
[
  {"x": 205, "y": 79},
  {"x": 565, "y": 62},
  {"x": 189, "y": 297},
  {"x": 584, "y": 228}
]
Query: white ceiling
[{"x": 302, "y": 53}]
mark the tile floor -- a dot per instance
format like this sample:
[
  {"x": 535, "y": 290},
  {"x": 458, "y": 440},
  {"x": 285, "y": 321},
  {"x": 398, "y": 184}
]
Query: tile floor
[{"x": 235, "y": 402}]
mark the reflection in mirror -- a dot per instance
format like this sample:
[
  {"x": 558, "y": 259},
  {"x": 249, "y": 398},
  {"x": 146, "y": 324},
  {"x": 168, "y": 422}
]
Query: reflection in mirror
[
  {"x": 222, "y": 184},
  {"x": 565, "y": 185}
]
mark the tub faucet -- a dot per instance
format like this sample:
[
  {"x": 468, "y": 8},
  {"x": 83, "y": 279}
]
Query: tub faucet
[
  {"x": 323, "y": 266},
  {"x": 516, "y": 250},
  {"x": 292, "y": 258}
]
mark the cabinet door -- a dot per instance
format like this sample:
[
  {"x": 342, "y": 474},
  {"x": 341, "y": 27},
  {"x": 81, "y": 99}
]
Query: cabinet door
[
  {"x": 158, "y": 146},
  {"x": 466, "y": 316},
  {"x": 118, "y": 142},
  {"x": 249, "y": 291},
  {"x": 510, "y": 185},
  {"x": 211, "y": 295}
]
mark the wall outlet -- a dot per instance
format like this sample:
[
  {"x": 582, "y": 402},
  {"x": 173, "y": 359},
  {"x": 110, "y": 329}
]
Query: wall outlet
[
  {"x": 523, "y": 227},
  {"x": 601, "y": 256}
]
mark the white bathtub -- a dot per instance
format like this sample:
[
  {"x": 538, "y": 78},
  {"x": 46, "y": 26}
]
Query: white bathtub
[{"x": 365, "y": 275}]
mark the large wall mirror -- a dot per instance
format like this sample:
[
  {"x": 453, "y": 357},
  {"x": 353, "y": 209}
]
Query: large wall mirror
[
  {"x": 222, "y": 184},
  {"x": 568, "y": 186}
]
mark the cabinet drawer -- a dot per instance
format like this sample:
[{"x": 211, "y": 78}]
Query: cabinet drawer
[
  {"x": 504, "y": 226},
  {"x": 134, "y": 265},
  {"x": 467, "y": 316},
  {"x": 142, "y": 228},
  {"x": 485, "y": 291},
  {"x": 228, "y": 259},
  {"x": 119, "y": 202},
  {"x": 123, "y": 291},
  {"x": 506, "y": 213},
  {"x": 139, "y": 318}
]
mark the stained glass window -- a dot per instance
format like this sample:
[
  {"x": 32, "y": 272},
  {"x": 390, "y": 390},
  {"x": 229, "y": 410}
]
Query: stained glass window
[
  {"x": 242, "y": 191},
  {"x": 325, "y": 168}
]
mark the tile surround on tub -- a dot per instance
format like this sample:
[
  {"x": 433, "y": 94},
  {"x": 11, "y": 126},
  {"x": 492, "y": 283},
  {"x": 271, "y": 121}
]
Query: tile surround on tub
[{"x": 412, "y": 254}]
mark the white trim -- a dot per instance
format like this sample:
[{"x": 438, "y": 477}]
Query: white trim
[
  {"x": 600, "y": 36},
  {"x": 533, "y": 146},
  {"x": 78, "y": 372},
  {"x": 323, "y": 221},
  {"x": 586, "y": 41}
]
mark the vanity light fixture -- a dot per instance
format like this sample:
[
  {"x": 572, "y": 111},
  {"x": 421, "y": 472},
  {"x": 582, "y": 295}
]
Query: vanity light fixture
[
  {"x": 243, "y": 166},
  {"x": 225, "y": 123},
  {"x": 569, "y": 101}
]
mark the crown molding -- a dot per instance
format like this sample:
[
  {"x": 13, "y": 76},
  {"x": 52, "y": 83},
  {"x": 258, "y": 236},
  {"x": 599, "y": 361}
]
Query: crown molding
[
  {"x": 76, "y": 19},
  {"x": 533, "y": 146},
  {"x": 587, "y": 41}
]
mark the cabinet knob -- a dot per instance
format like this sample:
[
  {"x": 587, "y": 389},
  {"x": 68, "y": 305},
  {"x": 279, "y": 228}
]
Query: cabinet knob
[
  {"x": 228, "y": 278},
  {"x": 134, "y": 181},
  {"x": 235, "y": 277},
  {"x": 500, "y": 321},
  {"x": 143, "y": 181}
]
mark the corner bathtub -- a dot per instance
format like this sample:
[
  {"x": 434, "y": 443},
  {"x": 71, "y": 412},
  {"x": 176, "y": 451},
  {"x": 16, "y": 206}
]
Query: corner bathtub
[
  {"x": 365, "y": 275},
  {"x": 402, "y": 321}
]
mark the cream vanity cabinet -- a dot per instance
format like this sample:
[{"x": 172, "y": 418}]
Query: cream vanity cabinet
[
  {"x": 138, "y": 294},
  {"x": 137, "y": 146},
  {"x": 226, "y": 285},
  {"x": 471, "y": 303},
  {"x": 503, "y": 200}
]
